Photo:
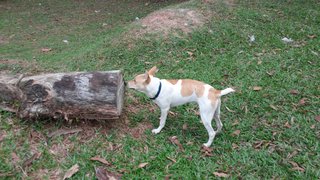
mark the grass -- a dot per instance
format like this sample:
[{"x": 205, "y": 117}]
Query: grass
[{"x": 275, "y": 129}]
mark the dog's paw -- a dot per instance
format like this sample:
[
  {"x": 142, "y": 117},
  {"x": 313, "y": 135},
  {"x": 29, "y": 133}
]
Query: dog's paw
[
  {"x": 206, "y": 145},
  {"x": 155, "y": 131}
]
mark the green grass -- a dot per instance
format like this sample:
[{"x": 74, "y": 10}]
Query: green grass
[{"x": 222, "y": 57}]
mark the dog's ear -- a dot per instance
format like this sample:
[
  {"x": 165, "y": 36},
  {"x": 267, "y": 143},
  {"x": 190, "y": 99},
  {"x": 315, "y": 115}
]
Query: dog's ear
[
  {"x": 153, "y": 71},
  {"x": 147, "y": 77}
]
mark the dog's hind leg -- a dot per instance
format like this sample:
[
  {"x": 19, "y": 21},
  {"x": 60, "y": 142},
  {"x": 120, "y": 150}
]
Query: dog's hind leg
[
  {"x": 206, "y": 117},
  {"x": 217, "y": 117}
]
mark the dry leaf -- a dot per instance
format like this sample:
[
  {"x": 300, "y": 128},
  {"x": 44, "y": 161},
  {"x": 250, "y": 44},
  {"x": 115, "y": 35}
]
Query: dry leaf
[
  {"x": 313, "y": 126},
  {"x": 29, "y": 161},
  {"x": 1, "y": 137},
  {"x": 236, "y": 122},
  {"x": 146, "y": 149},
  {"x": 3, "y": 134},
  {"x": 221, "y": 174},
  {"x": 271, "y": 73},
  {"x": 173, "y": 113},
  {"x": 101, "y": 160},
  {"x": 317, "y": 118},
  {"x": 236, "y": 133},
  {"x": 74, "y": 169},
  {"x": 63, "y": 132},
  {"x": 206, "y": 151},
  {"x": 190, "y": 53},
  {"x": 258, "y": 144},
  {"x": 15, "y": 158},
  {"x": 257, "y": 88},
  {"x": 184, "y": 126},
  {"x": 290, "y": 155},
  {"x": 174, "y": 140},
  {"x": 171, "y": 159},
  {"x": 234, "y": 146},
  {"x": 294, "y": 92},
  {"x": 287, "y": 125},
  {"x": 205, "y": 148},
  {"x": 142, "y": 165},
  {"x": 296, "y": 166},
  {"x": 273, "y": 107},
  {"x": 302, "y": 101},
  {"x": 46, "y": 49},
  {"x": 190, "y": 143},
  {"x": 258, "y": 54},
  {"x": 229, "y": 110},
  {"x": 6, "y": 175},
  {"x": 167, "y": 177},
  {"x": 298, "y": 169},
  {"x": 312, "y": 36},
  {"x": 274, "y": 133},
  {"x": 103, "y": 174}
]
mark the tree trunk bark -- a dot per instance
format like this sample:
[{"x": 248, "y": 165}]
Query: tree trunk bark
[{"x": 76, "y": 95}]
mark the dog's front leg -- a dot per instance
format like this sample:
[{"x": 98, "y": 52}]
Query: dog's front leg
[{"x": 163, "y": 118}]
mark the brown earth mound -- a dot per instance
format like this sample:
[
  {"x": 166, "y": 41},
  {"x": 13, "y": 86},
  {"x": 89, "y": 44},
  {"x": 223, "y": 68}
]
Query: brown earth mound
[{"x": 165, "y": 21}]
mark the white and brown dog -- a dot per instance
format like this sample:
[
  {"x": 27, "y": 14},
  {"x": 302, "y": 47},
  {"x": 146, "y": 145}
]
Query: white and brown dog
[{"x": 170, "y": 93}]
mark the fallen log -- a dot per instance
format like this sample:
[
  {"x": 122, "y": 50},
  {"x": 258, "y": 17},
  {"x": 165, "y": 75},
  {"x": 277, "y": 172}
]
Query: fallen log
[{"x": 76, "y": 95}]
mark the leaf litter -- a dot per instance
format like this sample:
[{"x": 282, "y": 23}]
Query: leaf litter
[
  {"x": 294, "y": 92},
  {"x": 236, "y": 133},
  {"x": 175, "y": 140},
  {"x": 206, "y": 151},
  {"x": 296, "y": 166},
  {"x": 142, "y": 165},
  {"x": 257, "y": 88},
  {"x": 103, "y": 174},
  {"x": 29, "y": 161},
  {"x": 45, "y": 50},
  {"x": 221, "y": 174},
  {"x": 303, "y": 101},
  {"x": 63, "y": 132},
  {"x": 74, "y": 169},
  {"x": 103, "y": 161}
]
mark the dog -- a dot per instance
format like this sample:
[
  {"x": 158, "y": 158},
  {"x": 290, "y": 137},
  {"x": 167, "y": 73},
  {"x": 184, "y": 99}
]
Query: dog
[{"x": 169, "y": 93}]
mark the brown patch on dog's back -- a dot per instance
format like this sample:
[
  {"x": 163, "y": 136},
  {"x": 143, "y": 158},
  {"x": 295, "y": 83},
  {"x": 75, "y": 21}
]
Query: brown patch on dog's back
[
  {"x": 173, "y": 81},
  {"x": 189, "y": 86},
  {"x": 213, "y": 95}
]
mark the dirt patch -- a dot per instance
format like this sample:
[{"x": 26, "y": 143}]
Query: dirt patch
[
  {"x": 12, "y": 65},
  {"x": 46, "y": 174},
  {"x": 231, "y": 3},
  {"x": 132, "y": 108},
  {"x": 138, "y": 131},
  {"x": 168, "y": 20},
  {"x": 4, "y": 40}
]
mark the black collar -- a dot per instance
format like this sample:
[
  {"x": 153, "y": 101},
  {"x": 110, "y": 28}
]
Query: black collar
[{"x": 159, "y": 89}]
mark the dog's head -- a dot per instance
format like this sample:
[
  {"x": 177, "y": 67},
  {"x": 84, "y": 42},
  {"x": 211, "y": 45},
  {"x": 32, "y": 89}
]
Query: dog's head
[{"x": 141, "y": 81}]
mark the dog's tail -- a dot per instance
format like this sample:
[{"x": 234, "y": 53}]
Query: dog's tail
[{"x": 226, "y": 91}]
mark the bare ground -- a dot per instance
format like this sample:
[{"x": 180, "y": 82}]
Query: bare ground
[
  {"x": 168, "y": 20},
  {"x": 12, "y": 65}
]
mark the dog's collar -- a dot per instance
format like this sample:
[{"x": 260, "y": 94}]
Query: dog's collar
[{"x": 159, "y": 89}]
